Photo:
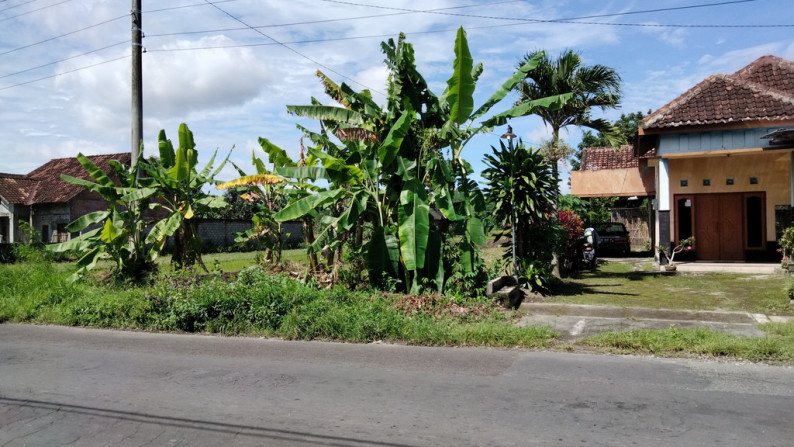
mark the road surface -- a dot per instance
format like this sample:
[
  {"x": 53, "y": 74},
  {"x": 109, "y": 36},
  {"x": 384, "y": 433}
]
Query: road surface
[{"x": 83, "y": 387}]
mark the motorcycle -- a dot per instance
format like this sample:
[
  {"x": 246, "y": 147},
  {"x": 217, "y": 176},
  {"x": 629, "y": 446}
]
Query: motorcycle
[{"x": 588, "y": 243}]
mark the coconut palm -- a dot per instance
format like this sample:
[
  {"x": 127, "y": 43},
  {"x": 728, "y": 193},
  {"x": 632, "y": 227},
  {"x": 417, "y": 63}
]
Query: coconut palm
[{"x": 592, "y": 86}]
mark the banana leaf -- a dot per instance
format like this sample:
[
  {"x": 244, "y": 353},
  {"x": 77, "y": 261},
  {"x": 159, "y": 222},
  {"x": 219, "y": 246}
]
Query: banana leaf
[
  {"x": 414, "y": 224},
  {"x": 86, "y": 220},
  {"x": 167, "y": 157},
  {"x": 461, "y": 84},
  {"x": 320, "y": 112},
  {"x": 524, "y": 109},
  {"x": 95, "y": 173},
  {"x": 162, "y": 229},
  {"x": 308, "y": 204},
  {"x": 277, "y": 156},
  {"x": 508, "y": 85},
  {"x": 434, "y": 259},
  {"x": 391, "y": 145}
]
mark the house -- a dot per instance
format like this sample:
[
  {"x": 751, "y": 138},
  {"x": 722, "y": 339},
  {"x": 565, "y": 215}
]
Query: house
[
  {"x": 47, "y": 202},
  {"x": 723, "y": 152}
]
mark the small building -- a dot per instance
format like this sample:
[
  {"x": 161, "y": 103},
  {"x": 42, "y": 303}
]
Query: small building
[
  {"x": 613, "y": 172},
  {"x": 48, "y": 203},
  {"x": 723, "y": 152}
]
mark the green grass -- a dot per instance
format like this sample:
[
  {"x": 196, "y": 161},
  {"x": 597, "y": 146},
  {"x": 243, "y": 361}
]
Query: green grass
[
  {"x": 257, "y": 302},
  {"x": 778, "y": 345},
  {"x": 236, "y": 261},
  {"x": 618, "y": 284}
]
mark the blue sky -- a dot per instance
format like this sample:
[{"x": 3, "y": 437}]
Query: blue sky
[{"x": 232, "y": 85}]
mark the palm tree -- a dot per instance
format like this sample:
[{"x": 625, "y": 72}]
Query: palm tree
[{"x": 592, "y": 86}]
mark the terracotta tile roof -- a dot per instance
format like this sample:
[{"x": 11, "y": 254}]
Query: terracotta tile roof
[
  {"x": 599, "y": 158},
  {"x": 44, "y": 184},
  {"x": 761, "y": 91}
]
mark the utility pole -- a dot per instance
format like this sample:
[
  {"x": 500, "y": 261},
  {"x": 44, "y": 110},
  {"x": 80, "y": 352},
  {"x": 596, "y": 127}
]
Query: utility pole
[{"x": 137, "y": 80}]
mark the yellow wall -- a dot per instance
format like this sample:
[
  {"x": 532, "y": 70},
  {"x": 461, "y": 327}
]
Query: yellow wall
[{"x": 771, "y": 168}]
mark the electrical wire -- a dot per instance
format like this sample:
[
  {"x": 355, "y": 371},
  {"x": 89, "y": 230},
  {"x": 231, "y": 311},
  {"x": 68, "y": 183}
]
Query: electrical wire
[
  {"x": 102, "y": 23},
  {"x": 64, "y": 35},
  {"x": 292, "y": 49},
  {"x": 314, "y": 22},
  {"x": 66, "y": 59},
  {"x": 66, "y": 72},
  {"x": 185, "y": 6},
  {"x": 34, "y": 10},
  {"x": 349, "y": 3},
  {"x": 17, "y": 5}
]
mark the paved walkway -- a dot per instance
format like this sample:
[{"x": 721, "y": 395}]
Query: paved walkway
[{"x": 574, "y": 321}]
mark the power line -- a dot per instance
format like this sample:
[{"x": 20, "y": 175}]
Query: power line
[
  {"x": 313, "y": 22},
  {"x": 66, "y": 72},
  {"x": 17, "y": 5},
  {"x": 103, "y": 23},
  {"x": 186, "y": 6},
  {"x": 408, "y": 33},
  {"x": 292, "y": 49},
  {"x": 64, "y": 60},
  {"x": 35, "y": 10},
  {"x": 564, "y": 20},
  {"x": 64, "y": 35}
]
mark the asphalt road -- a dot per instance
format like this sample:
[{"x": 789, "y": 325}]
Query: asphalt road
[{"x": 65, "y": 386}]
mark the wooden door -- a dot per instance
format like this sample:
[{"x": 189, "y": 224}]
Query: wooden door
[
  {"x": 707, "y": 224},
  {"x": 719, "y": 227}
]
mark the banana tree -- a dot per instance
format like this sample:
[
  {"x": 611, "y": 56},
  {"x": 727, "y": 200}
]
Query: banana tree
[
  {"x": 116, "y": 233},
  {"x": 179, "y": 190},
  {"x": 390, "y": 171}
]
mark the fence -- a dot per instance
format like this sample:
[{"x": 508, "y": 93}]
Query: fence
[{"x": 637, "y": 223}]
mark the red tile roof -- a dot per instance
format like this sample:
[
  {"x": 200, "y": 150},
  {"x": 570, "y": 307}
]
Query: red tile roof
[
  {"x": 761, "y": 91},
  {"x": 44, "y": 184},
  {"x": 599, "y": 158}
]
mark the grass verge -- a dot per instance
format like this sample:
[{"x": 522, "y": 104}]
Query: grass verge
[
  {"x": 777, "y": 346},
  {"x": 257, "y": 302}
]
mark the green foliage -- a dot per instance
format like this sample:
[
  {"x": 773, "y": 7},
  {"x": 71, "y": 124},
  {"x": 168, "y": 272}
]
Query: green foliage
[
  {"x": 573, "y": 228},
  {"x": 593, "y": 210},
  {"x": 390, "y": 173},
  {"x": 173, "y": 184},
  {"x": 178, "y": 186},
  {"x": 521, "y": 185},
  {"x": 257, "y": 302},
  {"x": 118, "y": 232},
  {"x": 786, "y": 242},
  {"x": 589, "y": 86}
]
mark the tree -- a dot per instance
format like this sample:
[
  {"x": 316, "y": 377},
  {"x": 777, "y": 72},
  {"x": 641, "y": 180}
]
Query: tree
[
  {"x": 172, "y": 184},
  {"x": 521, "y": 186},
  {"x": 179, "y": 190},
  {"x": 389, "y": 171},
  {"x": 627, "y": 125},
  {"x": 591, "y": 86},
  {"x": 117, "y": 232}
]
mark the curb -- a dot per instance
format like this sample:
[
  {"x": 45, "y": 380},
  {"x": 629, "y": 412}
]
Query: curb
[{"x": 643, "y": 313}]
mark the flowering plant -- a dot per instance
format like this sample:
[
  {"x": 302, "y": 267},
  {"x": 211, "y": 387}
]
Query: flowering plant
[{"x": 683, "y": 245}]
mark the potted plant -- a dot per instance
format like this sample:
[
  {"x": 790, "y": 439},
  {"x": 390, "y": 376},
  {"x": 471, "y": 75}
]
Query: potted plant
[{"x": 683, "y": 245}]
